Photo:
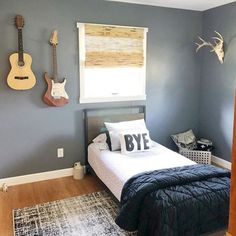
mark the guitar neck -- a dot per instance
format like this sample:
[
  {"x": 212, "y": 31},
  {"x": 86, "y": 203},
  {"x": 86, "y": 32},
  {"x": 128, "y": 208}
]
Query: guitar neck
[
  {"x": 20, "y": 46},
  {"x": 54, "y": 60}
]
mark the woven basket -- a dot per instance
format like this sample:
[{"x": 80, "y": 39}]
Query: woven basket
[{"x": 201, "y": 157}]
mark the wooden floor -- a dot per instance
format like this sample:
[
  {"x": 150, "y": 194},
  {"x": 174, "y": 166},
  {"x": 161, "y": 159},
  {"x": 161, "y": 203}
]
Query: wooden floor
[{"x": 39, "y": 192}]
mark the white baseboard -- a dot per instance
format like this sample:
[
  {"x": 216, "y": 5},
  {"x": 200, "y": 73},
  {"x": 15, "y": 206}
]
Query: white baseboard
[
  {"x": 221, "y": 162},
  {"x": 23, "y": 179}
]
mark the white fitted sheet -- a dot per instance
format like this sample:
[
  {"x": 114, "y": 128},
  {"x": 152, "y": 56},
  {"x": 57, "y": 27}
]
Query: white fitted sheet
[{"x": 114, "y": 168}]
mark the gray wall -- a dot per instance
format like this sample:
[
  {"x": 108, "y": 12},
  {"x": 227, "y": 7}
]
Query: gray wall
[
  {"x": 31, "y": 131},
  {"x": 218, "y": 81}
]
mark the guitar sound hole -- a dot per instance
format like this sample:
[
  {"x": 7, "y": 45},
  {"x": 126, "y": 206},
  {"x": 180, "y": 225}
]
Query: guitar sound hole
[
  {"x": 21, "y": 78},
  {"x": 21, "y": 63}
]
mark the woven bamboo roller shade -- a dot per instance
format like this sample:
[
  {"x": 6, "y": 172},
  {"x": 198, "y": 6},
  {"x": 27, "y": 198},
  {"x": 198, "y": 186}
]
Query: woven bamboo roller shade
[{"x": 113, "y": 46}]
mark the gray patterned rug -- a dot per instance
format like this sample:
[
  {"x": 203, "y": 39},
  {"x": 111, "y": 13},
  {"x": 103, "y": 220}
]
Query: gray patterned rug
[{"x": 87, "y": 215}]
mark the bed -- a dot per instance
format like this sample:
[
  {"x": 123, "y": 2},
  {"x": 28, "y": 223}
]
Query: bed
[
  {"x": 160, "y": 192},
  {"x": 114, "y": 170}
]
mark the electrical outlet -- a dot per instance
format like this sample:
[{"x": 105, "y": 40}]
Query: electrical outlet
[{"x": 60, "y": 152}]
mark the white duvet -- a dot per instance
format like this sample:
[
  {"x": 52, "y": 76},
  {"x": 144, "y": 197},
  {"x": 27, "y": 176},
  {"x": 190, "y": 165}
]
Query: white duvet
[{"x": 114, "y": 169}]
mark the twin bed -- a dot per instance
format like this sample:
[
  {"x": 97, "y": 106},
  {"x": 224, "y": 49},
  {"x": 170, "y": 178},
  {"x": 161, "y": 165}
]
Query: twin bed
[
  {"x": 115, "y": 169},
  {"x": 160, "y": 192}
]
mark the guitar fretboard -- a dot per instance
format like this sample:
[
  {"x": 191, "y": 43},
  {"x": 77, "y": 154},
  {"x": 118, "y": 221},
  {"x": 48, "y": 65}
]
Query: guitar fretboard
[
  {"x": 20, "y": 46},
  {"x": 54, "y": 59}
]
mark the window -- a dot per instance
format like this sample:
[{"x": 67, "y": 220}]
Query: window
[{"x": 112, "y": 63}]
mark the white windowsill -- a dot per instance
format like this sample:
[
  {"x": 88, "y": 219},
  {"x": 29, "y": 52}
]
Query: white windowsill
[{"x": 112, "y": 99}]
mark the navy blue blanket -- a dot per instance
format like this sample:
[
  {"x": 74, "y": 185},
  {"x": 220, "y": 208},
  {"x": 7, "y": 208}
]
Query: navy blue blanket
[{"x": 188, "y": 200}]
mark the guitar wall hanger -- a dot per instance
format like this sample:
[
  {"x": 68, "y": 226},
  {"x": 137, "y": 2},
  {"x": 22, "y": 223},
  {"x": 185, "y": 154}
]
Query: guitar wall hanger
[
  {"x": 55, "y": 94},
  {"x": 21, "y": 76}
]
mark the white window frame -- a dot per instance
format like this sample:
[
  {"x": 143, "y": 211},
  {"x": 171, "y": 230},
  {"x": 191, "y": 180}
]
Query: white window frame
[{"x": 112, "y": 98}]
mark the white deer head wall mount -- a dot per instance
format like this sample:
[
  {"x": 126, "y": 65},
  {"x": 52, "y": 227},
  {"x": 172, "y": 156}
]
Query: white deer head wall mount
[{"x": 218, "y": 48}]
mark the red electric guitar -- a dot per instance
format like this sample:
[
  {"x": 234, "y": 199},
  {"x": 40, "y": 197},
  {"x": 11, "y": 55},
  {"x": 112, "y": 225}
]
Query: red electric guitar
[{"x": 56, "y": 94}]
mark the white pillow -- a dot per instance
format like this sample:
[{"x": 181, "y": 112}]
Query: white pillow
[
  {"x": 101, "y": 146},
  {"x": 101, "y": 138},
  {"x": 101, "y": 142},
  {"x": 135, "y": 141},
  {"x": 115, "y": 140},
  {"x": 116, "y": 128}
]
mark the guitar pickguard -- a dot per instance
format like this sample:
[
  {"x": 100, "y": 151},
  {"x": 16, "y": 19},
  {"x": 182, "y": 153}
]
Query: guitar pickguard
[{"x": 58, "y": 90}]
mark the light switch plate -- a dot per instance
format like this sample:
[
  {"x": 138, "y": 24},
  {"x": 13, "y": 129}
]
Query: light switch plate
[{"x": 60, "y": 152}]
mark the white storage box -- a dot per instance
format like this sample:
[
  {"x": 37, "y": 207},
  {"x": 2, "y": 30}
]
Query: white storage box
[{"x": 201, "y": 157}]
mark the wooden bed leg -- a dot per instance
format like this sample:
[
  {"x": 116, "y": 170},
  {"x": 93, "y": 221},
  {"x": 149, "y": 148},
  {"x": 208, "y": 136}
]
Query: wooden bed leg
[{"x": 232, "y": 211}]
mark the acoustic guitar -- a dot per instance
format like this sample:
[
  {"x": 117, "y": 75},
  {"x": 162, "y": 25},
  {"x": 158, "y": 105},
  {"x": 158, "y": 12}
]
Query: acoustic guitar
[
  {"x": 21, "y": 76},
  {"x": 55, "y": 94}
]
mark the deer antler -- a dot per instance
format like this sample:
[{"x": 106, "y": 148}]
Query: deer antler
[
  {"x": 220, "y": 38},
  {"x": 202, "y": 44},
  {"x": 218, "y": 48},
  {"x": 218, "y": 44}
]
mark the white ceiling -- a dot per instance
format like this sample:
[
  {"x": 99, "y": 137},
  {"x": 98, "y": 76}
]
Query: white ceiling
[{"x": 198, "y": 5}]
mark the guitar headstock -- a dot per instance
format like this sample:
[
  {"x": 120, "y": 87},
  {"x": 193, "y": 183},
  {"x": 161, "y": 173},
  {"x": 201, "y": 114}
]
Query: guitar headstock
[
  {"x": 54, "y": 39},
  {"x": 19, "y": 21}
]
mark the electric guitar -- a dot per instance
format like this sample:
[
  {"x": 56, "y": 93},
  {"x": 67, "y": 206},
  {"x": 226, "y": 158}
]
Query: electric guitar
[
  {"x": 21, "y": 76},
  {"x": 55, "y": 94}
]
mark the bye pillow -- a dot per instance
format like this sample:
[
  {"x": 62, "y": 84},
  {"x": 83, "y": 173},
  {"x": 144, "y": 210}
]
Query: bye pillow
[
  {"x": 135, "y": 141},
  {"x": 115, "y": 129}
]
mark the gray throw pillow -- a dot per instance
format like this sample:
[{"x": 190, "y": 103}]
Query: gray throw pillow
[{"x": 185, "y": 140}]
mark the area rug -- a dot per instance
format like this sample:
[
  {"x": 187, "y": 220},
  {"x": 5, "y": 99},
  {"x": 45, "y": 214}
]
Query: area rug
[{"x": 86, "y": 215}]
